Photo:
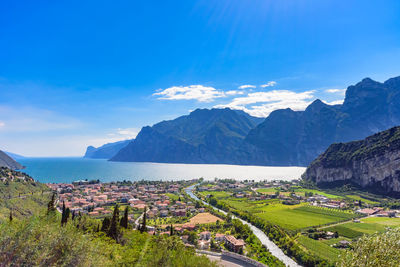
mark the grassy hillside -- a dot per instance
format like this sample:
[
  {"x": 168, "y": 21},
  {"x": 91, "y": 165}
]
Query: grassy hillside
[{"x": 21, "y": 194}]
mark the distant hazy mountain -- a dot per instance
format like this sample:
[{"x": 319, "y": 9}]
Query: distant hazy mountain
[
  {"x": 13, "y": 155},
  {"x": 7, "y": 161},
  {"x": 106, "y": 151},
  {"x": 290, "y": 137},
  {"x": 372, "y": 163},
  {"x": 203, "y": 136}
]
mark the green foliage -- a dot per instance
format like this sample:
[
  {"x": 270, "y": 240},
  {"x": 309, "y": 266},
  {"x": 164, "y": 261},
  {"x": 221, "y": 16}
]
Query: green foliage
[
  {"x": 51, "y": 205},
  {"x": 114, "y": 229},
  {"x": 143, "y": 227},
  {"x": 40, "y": 241},
  {"x": 374, "y": 250},
  {"x": 124, "y": 219}
]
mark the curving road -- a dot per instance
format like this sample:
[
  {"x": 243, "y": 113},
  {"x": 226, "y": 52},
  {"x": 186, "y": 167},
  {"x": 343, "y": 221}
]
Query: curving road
[{"x": 274, "y": 249}]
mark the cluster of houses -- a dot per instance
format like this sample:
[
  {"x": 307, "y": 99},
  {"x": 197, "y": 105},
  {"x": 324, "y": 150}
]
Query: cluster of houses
[
  {"x": 97, "y": 199},
  {"x": 204, "y": 241},
  {"x": 378, "y": 212},
  {"x": 8, "y": 175}
]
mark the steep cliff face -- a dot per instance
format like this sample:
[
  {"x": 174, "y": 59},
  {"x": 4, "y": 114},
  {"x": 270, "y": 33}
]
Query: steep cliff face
[
  {"x": 372, "y": 163},
  {"x": 106, "y": 151}
]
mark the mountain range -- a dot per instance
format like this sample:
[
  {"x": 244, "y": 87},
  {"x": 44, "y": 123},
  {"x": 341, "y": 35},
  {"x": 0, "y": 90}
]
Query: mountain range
[
  {"x": 284, "y": 138},
  {"x": 203, "y": 136},
  {"x": 290, "y": 137}
]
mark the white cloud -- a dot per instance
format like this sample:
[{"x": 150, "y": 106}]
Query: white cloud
[
  {"x": 336, "y": 102},
  {"x": 269, "y": 84},
  {"x": 245, "y": 86},
  {"x": 2, "y": 124},
  {"x": 131, "y": 132},
  {"x": 192, "y": 92},
  {"x": 336, "y": 91},
  {"x": 234, "y": 92},
  {"x": 270, "y": 101}
]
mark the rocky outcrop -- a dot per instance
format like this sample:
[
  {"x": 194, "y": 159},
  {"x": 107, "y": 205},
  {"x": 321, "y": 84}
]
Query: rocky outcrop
[
  {"x": 8, "y": 162},
  {"x": 106, "y": 151},
  {"x": 372, "y": 163}
]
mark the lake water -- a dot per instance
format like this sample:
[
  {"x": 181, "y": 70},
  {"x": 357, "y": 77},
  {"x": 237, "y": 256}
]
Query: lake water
[{"x": 66, "y": 170}]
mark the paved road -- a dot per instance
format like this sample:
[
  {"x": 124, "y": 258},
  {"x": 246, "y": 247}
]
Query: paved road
[{"x": 223, "y": 262}]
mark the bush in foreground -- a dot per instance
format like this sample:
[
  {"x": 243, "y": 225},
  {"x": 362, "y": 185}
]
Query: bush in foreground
[{"x": 374, "y": 250}]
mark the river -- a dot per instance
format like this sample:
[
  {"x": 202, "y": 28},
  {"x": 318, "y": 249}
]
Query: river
[{"x": 274, "y": 249}]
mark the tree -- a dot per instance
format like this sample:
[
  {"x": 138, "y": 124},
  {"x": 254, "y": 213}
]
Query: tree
[
  {"x": 51, "y": 205},
  {"x": 192, "y": 238},
  {"x": 67, "y": 213},
  {"x": 105, "y": 225},
  {"x": 380, "y": 249},
  {"x": 143, "y": 228},
  {"x": 11, "y": 216},
  {"x": 171, "y": 230},
  {"x": 124, "y": 219},
  {"x": 113, "y": 231},
  {"x": 63, "y": 214}
]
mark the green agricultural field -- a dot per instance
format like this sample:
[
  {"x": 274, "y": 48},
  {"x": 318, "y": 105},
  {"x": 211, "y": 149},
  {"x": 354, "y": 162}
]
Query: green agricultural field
[
  {"x": 367, "y": 226},
  {"x": 269, "y": 190},
  {"x": 246, "y": 205},
  {"x": 302, "y": 215},
  {"x": 319, "y": 248},
  {"x": 357, "y": 198},
  {"x": 345, "y": 231},
  {"x": 314, "y": 191},
  {"x": 217, "y": 194},
  {"x": 385, "y": 221}
]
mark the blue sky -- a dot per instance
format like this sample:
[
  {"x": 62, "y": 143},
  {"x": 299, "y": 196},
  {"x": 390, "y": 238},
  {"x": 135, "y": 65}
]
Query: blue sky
[{"x": 81, "y": 73}]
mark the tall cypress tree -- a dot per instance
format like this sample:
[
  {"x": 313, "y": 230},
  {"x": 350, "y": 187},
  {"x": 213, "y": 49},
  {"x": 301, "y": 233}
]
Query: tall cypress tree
[
  {"x": 143, "y": 228},
  {"x": 51, "y": 205},
  {"x": 113, "y": 232},
  {"x": 63, "y": 214},
  {"x": 11, "y": 216},
  {"x": 124, "y": 219},
  {"x": 171, "y": 230},
  {"x": 105, "y": 225},
  {"x": 67, "y": 212}
]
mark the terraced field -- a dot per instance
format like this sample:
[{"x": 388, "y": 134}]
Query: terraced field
[{"x": 318, "y": 248}]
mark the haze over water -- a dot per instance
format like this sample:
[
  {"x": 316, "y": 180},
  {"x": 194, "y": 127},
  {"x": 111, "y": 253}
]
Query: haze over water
[{"x": 66, "y": 170}]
